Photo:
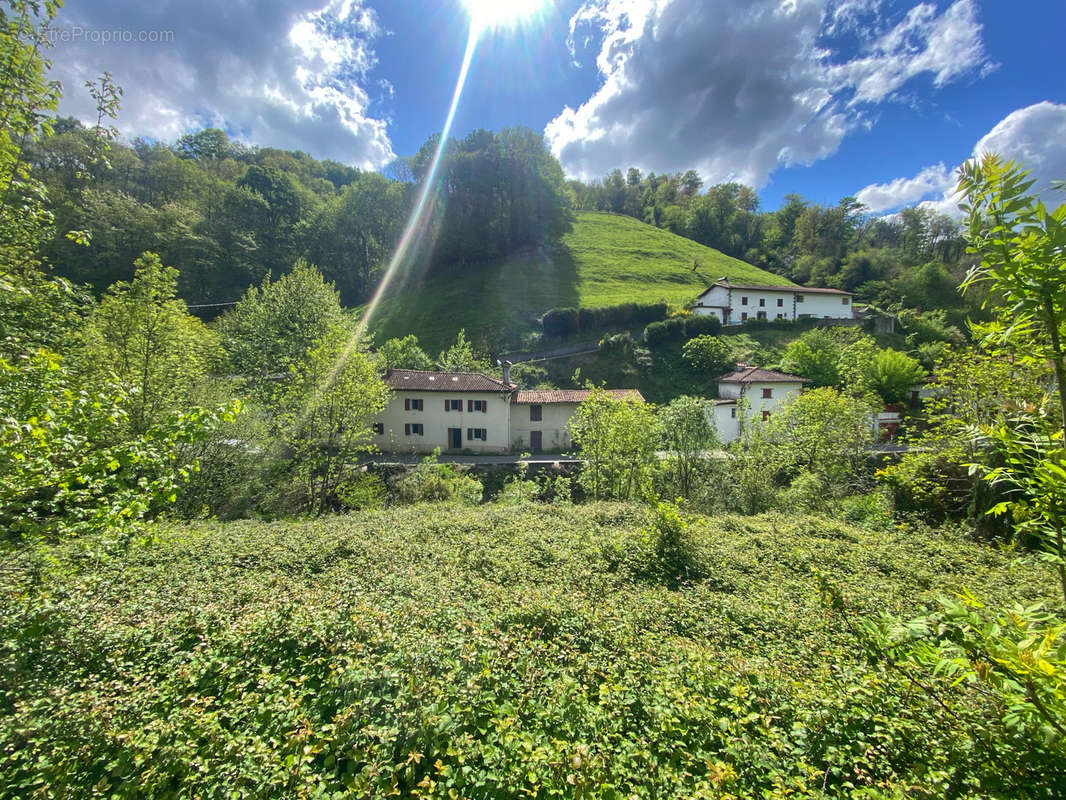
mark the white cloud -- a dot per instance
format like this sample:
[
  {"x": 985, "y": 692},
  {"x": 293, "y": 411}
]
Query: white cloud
[
  {"x": 906, "y": 191},
  {"x": 736, "y": 88},
  {"x": 1034, "y": 136},
  {"x": 281, "y": 73}
]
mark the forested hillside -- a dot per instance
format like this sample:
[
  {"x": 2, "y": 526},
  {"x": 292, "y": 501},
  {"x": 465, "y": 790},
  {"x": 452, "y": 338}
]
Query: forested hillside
[
  {"x": 606, "y": 260},
  {"x": 915, "y": 258},
  {"x": 500, "y": 234},
  {"x": 226, "y": 215}
]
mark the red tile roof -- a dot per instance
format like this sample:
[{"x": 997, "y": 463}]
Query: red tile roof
[
  {"x": 758, "y": 375},
  {"x": 547, "y": 396},
  {"x": 425, "y": 381}
]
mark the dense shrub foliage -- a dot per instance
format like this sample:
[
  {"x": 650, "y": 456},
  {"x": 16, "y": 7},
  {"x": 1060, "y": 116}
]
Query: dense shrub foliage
[
  {"x": 680, "y": 328},
  {"x": 570, "y": 321},
  {"x": 531, "y": 651}
]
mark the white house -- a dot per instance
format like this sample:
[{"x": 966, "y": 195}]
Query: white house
[
  {"x": 449, "y": 410},
  {"x": 539, "y": 418},
  {"x": 734, "y": 303},
  {"x": 458, "y": 411},
  {"x": 749, "y": 393}
]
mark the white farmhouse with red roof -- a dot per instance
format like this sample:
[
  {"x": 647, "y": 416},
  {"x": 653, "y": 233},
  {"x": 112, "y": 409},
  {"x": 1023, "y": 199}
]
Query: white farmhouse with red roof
[
  {"x": 749, "y": 393},
  {"x": 469, "y": 411},
  {"x": 734, "y": 303}
]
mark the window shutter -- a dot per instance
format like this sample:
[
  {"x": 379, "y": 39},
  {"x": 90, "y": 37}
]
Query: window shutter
[
  {"x": 484, "y": 434},
  {"x": 407, "y": 404},
  {"x": 485, "y": 406},
  {"x": 407, "y": 429},
  {"x": 447, "y": 406}
]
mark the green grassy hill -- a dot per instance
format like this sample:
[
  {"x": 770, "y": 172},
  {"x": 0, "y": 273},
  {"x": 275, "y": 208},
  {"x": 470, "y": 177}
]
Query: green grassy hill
[
  {"x": 607, "y": 259},
  {"x": 492, "y": 652}
]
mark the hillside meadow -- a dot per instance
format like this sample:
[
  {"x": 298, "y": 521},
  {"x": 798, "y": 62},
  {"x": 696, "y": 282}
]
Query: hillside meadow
[
  {"x": 490, "y": 652},
  {"x": 607, "y": 259}
]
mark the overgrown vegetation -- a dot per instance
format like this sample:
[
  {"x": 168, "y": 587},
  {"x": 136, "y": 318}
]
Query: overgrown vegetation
[{"x": 503, "y": 652}]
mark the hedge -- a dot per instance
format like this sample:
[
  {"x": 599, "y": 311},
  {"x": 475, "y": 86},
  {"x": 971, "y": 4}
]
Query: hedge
[
  {"x": 562, "y": 322},
  {"x": 678, "y": 329}
]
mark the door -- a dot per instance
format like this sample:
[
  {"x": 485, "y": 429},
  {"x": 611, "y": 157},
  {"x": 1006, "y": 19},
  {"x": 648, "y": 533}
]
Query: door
[
  {"x": 535, "y": 441},
  {"x": 455, "y": 438}
]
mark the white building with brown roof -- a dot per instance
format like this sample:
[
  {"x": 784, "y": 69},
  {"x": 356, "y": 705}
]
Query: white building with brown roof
[
  {"x": 469, "y": 411},
  {"x": 734, "y": 303},
  {"x": 749, "y": 393},
  {"x": 540, "y": 418}
]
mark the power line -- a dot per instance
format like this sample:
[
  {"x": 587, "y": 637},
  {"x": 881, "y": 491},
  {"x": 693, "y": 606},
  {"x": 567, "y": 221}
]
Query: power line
[{"x": 212, "y": 305}]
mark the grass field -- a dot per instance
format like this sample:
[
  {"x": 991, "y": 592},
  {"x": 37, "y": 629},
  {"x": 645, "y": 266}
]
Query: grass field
[
  {"x": 491, "y": 652},
  {"x": 607, "y": 259}
]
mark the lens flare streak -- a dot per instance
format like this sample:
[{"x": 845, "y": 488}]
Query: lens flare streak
[{"x": 416, "y": 223}]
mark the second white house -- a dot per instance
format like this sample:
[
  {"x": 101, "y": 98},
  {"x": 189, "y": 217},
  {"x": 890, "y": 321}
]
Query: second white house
[{"x": 734, "y": 303}]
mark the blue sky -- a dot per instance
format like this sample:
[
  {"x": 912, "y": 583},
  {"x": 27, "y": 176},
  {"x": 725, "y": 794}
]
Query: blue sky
[{"x": 825, "y": 98}]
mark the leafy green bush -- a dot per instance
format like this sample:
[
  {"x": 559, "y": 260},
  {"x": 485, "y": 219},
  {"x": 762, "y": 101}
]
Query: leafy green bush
[
  {"x": 618, "y": 343},
  {"x": 503, "y": 652},
  {"x": 622, "y": 315},
  {"x": 709, "y": 354},
  {"x": 698, "y": 325},
  {"x": 518, "y": 491},
  {"x": 363, "y": 492},
  {"x": 872, "y": 509},
  {"x": 69, "y": 465},
  {"x": 560, "y": 322},
  {"x": 432, "y": 481},
  {"x": 674, "y": 553}
]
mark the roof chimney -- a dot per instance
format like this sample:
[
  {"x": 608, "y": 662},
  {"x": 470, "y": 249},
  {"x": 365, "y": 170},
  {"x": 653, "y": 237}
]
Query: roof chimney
[{"x": 507, "y": 372}]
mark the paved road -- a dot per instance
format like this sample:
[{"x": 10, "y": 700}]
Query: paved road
[
  {"x": 445, "y": 458},
  {"x": 546, "y": 458}
]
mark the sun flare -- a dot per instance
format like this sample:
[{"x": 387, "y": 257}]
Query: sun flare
[{"x": 489, "y": 14}]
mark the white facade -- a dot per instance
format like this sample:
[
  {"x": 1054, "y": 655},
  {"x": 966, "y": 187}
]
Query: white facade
[
  {"x": 408, "y": 409},
  {"x": 735, "y": 303},
  {"x": 724, "y": 417},
  {"x": 459, "y": 412},
  {"x": 749, "y": 395},
  {"x": 820, "y": 305},
  {"x": 553, "y": 425}
]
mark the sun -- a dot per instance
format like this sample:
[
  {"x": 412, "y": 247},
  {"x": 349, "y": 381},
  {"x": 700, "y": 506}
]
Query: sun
[{"x": 489, "y": 14}]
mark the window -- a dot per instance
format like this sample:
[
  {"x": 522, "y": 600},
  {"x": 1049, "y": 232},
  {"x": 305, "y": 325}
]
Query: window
[
  {"x": 473, "y": 434},
  {"x": 743, "y": 301},
  {"x": 762, "y": 302},
  {"x": 780, "y": 316},
  {"x": 733, "y": 412},
  {"x": 413, "y": 404},
  {"x": 379, "y": 428},
  {"x": 453, "y": 405},
  {"x": 535, "y": 413},
  {"x": 743, "y": 316},
  {"x": 477, "y": 405},
  {"x": 780, "y": 302},
  {"x": 412, "y": 429},
  {"x": 767, "y": 393},
  {"x": 845, "y": 300},
  {"x": 799, "y": 298},
  {"x": 765, "y": 416},
  {"x": 761, "y": 315}
]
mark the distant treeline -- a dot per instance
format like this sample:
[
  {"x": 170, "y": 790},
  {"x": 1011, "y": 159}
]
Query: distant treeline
[
  {"x": 915, "y": 258},
  {"x": 225, "y": 215}
]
